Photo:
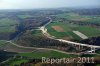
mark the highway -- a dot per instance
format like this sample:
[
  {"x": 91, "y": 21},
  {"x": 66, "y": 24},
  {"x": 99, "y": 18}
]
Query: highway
[{"x": 44, "y": 31}]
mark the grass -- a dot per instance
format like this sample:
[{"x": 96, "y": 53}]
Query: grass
[
  {"x": 98, "y": 65},
  {"x": 68, "y": 28},
  {"x": 7, "y": 22},
  {"x": 12, "y": 48},
  {"x": 49, "y": 54},
  {"x": 98, "y": 51},
  {"x": 83, "y": 18},
  {"x": 25, "y": 16},
  {"x": 7, "y": 25},
  {"x": 17, "y": 62},
  {"x": 8, "y": 29},
  {"x": 38, "y": 54},
  {"x": 89, "y": 31},
  {"x": 37, "y": 33}
]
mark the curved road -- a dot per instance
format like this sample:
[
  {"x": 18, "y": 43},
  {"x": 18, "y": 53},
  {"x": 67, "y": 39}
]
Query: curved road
[
  {"x": 44, "y": 31},
  {"x": 39, "y": 48}
]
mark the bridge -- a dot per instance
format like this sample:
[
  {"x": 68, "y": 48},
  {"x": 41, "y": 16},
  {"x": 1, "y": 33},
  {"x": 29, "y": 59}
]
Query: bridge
[{"x": 44, "y": 31}]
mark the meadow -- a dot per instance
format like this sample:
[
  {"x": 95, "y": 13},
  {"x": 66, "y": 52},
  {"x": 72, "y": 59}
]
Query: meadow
[
  {"x": 46, "y": 53},
  {"x": 77, "y": 17},
  {"x": 68, "y": 28},
  {"x": 7, "y": 25}
]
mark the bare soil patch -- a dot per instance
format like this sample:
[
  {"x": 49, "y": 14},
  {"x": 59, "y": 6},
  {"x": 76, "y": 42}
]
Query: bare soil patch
[{"x": 58, "y": 28}]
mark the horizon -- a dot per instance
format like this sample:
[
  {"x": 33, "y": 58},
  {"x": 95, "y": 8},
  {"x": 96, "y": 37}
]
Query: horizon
[{"x": 45, "y": 4}]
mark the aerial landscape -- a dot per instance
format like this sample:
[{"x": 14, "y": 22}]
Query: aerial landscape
[{"x": 49, "y": 33}]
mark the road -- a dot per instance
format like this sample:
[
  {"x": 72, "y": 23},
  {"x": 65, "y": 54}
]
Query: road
[
  {"x": 44, "y": 31},
  {"x": 39, "y": 48}
]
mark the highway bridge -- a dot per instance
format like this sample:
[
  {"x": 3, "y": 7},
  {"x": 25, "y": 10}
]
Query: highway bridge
[{"x": 44, "y": 31}]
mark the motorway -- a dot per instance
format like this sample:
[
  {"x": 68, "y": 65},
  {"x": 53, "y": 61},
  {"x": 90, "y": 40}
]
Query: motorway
[{"x": 44, "y": 31}]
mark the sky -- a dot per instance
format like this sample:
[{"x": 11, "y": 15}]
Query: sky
[{"x": 31, "y": 4}]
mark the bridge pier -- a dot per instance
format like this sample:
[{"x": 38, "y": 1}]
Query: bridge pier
[
  {"x": 79, "y": 47},
  {"x": 93, "y": 49}
]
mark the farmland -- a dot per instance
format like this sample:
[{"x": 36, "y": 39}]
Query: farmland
[
  {"x": 20, "y": 30},
  {"x": 69, "y": 22},
  {"x": 6, "y": 46},
  {"x": 26, "y": 54},
  {"x": 67, "y": 30},
  {"x": 40, "y": 53},
  {"x": 77, "y": 17},
  {"x": 37, "y": 33},
  {"x": 24, "y": 16},
  {"x": 7, "y": 25},
  {"x": 37, "y": 54},
  {"x": 16, "y": 61}
]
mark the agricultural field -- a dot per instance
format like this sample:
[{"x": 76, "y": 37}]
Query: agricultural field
[
  {"x": 46, "y": 53},
  {"x": 58, "y": 28},
  {"x": 29, "y": 54},
  {"x": 83, "y": 18},
  {"x": 67, "y": 33},
  {"x": 36, "y": 54},
  {"x": 6, "y": 46},
  {"x": 69, "y": 28},
  {"x": 16, "y": 61},
  {"x": 37, "y": 33},
  {"x": 64, "y": 24},
  {"x": 89, "y": 31},
  {"x": 21, "y": 40},
  {"x": 24, "y": 16},
  {"x": 7, "y": 25}
]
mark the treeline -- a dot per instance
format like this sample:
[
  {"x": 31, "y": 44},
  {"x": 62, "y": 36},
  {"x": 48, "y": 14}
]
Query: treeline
[
  {"x": 92, "y": 41},
  {"x": 5, "y": 55},
  {"x": 43, "y": 42}
]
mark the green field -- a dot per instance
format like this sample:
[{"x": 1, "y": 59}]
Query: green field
[
  {"x": 7, "y": 29},
  {"x": 77, "y": 17},
  {"x": 98, "y": 51},
  {"x": 68, "y": 28},
  {"x": 24, "y": 16},
  {"x": 37, "y": 33},
  {"x": 7, "y": 25},
  {"x": 39, "y": 54},
  {"x": 34, "y": 53},
  {"x": 89, "y": 31},
  {"x": 16, "y": 61},
  {"x": 67, "y": 33},
  {"x": 98, "y": 65}
]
